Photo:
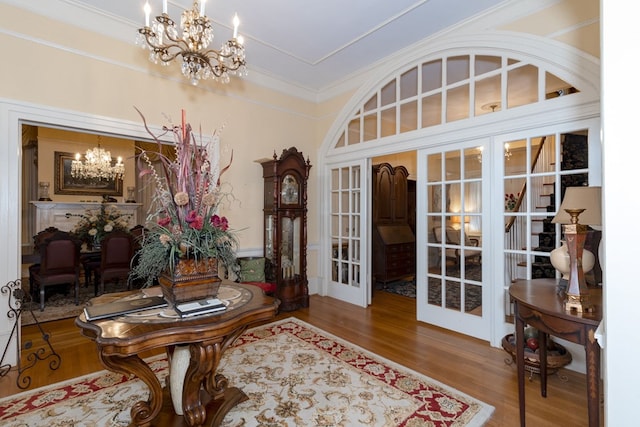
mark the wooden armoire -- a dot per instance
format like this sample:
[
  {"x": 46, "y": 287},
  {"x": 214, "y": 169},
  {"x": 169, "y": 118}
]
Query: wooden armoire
[{"x": 394, "y": 243}]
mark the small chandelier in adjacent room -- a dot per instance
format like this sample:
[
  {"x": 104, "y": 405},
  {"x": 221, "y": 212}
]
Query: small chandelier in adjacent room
[
  {"x": 507, "y": 151},
  {"x": 97, "y": 164},
  {"x": 199, "y": 62}
]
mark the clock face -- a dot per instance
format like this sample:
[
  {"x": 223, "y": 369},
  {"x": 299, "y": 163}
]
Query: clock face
[{"x": 289, "y": 194}]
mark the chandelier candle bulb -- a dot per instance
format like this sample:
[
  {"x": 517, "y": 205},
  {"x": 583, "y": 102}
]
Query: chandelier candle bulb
[
  {"x": 147, "y": 14},
  {"x": 164, "y": 6},
  {"x": 236, "y": 23},
  {"x": 202, "y": 7}
]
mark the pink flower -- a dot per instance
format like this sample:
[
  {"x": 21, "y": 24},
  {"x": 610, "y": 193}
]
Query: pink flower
[
  {"x": 163, "y": 222},
  {"x": 197, "y": 223},
  {"x": 219, "y": 222},
  {"x": 194, "y": 220}
]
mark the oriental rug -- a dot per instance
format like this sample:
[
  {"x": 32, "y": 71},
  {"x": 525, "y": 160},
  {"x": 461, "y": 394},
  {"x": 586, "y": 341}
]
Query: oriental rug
[
  {"x": 294, "y": 375},
  {"x": 60, "y": 302}
]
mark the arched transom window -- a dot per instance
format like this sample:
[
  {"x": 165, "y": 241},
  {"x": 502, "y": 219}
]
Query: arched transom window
[{"x": 449, "y": 89}]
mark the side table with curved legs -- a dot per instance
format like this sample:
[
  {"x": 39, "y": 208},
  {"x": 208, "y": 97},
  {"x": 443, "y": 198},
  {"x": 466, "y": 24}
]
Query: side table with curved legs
[
  {"x": 537, "y": 304},
  {"x": 206, "y": 395}
]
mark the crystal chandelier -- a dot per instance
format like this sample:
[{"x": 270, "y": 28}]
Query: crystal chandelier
[
  {"x": 98, "y": 164},
  {"x": 198, "y": 62}
]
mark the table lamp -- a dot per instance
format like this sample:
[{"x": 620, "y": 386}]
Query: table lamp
[{"x": 579, "y": 204}]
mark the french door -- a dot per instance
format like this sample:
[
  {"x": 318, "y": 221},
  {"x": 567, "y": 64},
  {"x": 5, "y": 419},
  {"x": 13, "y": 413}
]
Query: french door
[
  {"x": 347, "y": 256},
  {"x": 451, "y": 290}
]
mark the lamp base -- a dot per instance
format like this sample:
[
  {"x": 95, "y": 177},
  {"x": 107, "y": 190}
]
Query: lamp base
[{"x": 579, "y": 303}]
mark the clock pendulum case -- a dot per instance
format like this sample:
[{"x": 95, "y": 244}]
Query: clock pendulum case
[{"x": 285, "y": 227}]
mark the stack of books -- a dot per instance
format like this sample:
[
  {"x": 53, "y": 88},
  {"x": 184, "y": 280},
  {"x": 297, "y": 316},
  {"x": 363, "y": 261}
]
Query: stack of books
[{"x": 198, "y": 307}]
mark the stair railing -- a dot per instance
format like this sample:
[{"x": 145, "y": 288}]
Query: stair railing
[{"x": 536, "y": 156}]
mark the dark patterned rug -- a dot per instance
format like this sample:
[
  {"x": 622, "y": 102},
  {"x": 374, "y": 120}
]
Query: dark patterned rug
[
  {"x": 473, "y": 293},
  {"x": 59, "y": 302}
]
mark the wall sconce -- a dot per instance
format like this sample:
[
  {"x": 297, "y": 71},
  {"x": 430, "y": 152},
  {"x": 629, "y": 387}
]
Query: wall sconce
[{"x": 579, "y": 203}]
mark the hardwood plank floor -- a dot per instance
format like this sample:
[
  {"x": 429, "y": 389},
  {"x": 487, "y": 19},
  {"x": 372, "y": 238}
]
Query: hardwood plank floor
[{"x": 389, "y": 329}]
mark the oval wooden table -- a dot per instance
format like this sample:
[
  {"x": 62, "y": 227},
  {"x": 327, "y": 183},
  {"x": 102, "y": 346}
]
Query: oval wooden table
[
  {"x": 206, "y": 396},
  {"x": 538, "y": 304}
]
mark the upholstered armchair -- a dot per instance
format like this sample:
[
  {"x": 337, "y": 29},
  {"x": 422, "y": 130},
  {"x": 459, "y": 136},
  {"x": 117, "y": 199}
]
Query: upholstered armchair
[
  {"x": 454, "y": 236},
  {"x": 59, "y": 264}
]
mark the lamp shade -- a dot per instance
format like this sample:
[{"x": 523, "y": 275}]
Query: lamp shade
[{"x": 587, "y": 198}]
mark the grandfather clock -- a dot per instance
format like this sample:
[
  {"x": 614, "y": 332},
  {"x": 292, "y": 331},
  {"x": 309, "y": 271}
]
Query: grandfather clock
[{"x": 285, "y": 227}]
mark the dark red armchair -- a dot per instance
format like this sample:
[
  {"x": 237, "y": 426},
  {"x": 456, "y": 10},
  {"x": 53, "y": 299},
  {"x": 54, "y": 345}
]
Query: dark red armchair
[{"x": 59, "y": 264}]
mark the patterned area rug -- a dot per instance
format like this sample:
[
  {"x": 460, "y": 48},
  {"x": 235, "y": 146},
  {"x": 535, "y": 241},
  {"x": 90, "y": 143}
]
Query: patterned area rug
[
  {"x": 294, "y": 375},
  {"x": 59, "y": 302}
]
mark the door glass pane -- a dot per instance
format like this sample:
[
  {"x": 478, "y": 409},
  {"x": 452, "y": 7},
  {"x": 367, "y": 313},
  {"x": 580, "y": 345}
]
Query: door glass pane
[
  {"x": 536, "y": 175},
  {"x": 345, "y": 225},
  {"x": 454, "y": 279},
  {"x": 453, "y": 171},
  {"x": 472, "y": 163}
]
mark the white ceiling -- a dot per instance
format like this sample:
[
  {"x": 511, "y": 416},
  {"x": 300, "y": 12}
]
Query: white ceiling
[{"x": 311, "y": 44}]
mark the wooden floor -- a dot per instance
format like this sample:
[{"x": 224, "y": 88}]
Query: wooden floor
[{"x": 389, "y": 329}]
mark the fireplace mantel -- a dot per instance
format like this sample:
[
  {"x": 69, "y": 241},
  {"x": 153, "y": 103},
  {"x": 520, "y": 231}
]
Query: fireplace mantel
[{"x": 54, "y": 214}]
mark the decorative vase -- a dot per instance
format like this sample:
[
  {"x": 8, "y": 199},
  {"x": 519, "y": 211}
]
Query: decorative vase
[
  {"x": 190, "y": 280},
  {"x": 177, "y": 372},
  {"x": 560, "y": 260}
]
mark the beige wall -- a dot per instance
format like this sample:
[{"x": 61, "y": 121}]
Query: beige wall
[{"x": 257, "y": 122}]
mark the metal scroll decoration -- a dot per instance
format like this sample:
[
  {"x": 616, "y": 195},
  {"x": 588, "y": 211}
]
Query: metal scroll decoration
[{"x": 17, "y": 301}]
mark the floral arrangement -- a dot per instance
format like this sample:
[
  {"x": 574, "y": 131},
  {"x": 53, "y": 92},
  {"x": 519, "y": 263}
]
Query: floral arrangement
[
  {"x": 510, "y": 201},
  {"x": 183, "y": 220},
  {"x": 94, "y": 226}
]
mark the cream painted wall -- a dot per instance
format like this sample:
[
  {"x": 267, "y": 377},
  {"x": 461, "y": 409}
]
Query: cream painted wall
[
  {"x": 255, "y": 122},
  {"x": 574, "y": 22}
]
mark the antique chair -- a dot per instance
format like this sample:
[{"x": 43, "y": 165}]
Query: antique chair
[
  {"x": 115, "y": 263},
  {"x": 38, "y": 239},
  {"x": 454, "y": 237},
  {"x": 60, "y": 264},
  {"x": 450, "y": 253}
]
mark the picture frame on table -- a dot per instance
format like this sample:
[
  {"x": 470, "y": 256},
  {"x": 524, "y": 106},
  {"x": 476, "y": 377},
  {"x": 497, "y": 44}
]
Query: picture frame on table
[{"x": 64, "y": 183}]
